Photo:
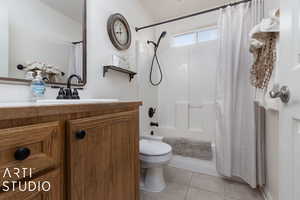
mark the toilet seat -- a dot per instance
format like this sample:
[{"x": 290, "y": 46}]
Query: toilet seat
[
  {"x": 154, "y": 148},
  {"x": 155, "y": 160}
]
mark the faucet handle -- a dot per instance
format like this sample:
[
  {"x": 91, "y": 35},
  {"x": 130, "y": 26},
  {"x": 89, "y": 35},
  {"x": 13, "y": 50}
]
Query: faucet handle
[
  {"x": 61, "y": 93},
  {"x": 75, "y": 94},
  {"x": 68, "y": 93}
]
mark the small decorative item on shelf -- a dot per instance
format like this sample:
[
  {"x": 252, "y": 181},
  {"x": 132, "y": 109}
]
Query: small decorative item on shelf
[{"x": 120, "y": 61}]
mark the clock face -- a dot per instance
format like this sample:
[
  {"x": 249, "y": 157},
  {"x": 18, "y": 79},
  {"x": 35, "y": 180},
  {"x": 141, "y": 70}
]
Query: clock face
[{"x": 119, "y": 31}]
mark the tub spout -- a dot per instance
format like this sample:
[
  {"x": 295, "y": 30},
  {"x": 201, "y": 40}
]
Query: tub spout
[{"x": 154, "y": 124}]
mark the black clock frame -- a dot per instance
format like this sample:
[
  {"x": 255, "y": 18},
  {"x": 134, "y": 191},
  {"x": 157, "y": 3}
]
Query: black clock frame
[{"x": 111, "y": 32}]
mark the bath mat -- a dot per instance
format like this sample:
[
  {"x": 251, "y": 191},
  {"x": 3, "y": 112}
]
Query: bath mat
[{"x": 190, "y": 148}]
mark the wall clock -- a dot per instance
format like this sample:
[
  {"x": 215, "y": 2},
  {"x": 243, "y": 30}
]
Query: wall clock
[{"x": 119, "y": 31}]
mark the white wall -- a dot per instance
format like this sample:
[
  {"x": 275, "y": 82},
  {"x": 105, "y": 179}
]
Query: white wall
[
  {"x": 100, "y": 49},
  {"x": 271, "y": 4},
  {"x": 189, "y": 24},
  {"x": 4, "y": 38}
]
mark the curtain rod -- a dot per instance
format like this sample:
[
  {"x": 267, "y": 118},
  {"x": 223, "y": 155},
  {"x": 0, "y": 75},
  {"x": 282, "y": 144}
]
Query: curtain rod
[{"x": 191, "y": 15}]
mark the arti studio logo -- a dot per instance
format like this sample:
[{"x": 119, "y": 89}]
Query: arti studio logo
[{"x": 28, "y": 186}]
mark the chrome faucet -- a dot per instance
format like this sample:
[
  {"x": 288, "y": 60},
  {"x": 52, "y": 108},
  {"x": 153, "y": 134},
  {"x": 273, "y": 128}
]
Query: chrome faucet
[{"x": 67, "y": 93}]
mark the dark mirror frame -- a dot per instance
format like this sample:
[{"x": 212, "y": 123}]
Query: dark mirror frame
[{"x": 84, "y": 73}]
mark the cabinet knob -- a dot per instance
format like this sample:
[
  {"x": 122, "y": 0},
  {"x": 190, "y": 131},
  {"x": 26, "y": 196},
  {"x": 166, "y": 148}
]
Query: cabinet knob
[
  {"x": 80, "y": 134},
  {"x": 22, "y": 154}
]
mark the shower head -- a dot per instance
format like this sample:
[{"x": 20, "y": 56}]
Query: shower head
[
  {"x": 155, "y": 58},
  {"x": 162, "y": 35}
]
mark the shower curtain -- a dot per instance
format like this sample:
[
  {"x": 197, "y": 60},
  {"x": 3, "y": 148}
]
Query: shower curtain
[
  {"x": 235, "y": 134},
  {"x": 75, "y": 60}
]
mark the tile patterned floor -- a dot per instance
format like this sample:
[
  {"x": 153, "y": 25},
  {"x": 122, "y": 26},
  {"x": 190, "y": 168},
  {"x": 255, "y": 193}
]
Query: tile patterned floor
[{"x": 185, "y": 185}]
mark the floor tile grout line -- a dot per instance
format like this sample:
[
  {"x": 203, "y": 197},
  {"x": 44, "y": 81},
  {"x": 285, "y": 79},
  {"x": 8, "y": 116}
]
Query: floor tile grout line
[
  {"x": 189, "y": 186},
  {"x": 190, "y": 182},
  {"x": 186, "y": 193},
  {"x": 207, "y": 190}
]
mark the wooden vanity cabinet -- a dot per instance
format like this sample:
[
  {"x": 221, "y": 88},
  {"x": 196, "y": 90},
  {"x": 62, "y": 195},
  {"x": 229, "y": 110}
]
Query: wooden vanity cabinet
[
  {"x": 54, "y": 193},
  {"x": 43, "y": 143},
  {"x": 38, "y": 148},
  {"x": 103, "y": 162},
  {"x": 86, "y": 152}
]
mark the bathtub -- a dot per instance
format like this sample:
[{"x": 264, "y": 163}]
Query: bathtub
[
  {"x": 191, "y": 164},
  {"x": 196, "y": 165}
]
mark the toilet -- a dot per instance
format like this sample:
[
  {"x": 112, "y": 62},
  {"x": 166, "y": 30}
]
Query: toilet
[{"x": 154, "y": 155}]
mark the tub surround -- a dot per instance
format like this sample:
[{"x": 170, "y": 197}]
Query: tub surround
[{"x": 64, "y": 139}]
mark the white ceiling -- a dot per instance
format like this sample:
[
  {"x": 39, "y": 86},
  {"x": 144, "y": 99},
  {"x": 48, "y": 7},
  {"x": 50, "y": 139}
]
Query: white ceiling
[
  {"x": 70, "y": 8},
  {"x": 165, "y": 9}
]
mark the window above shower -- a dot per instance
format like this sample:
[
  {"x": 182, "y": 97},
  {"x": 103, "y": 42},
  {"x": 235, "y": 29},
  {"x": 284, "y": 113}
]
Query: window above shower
[{"x": 195, "y": 37}]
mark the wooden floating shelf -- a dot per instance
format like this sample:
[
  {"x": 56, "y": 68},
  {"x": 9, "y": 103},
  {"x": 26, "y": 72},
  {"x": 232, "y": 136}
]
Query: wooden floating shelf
[{"x": 119, "y": 69}]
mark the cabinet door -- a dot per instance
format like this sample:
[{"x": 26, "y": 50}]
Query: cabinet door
[
  {"x": 54, "y": 193},
  {"x": 43, "y": 144},
  {"x": 103, "y": 158}
]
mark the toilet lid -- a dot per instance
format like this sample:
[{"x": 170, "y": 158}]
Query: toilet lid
[{"x": 154, "y": 148}]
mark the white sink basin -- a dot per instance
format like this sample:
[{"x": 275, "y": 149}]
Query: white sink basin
[{"x": 75, "y": 101}]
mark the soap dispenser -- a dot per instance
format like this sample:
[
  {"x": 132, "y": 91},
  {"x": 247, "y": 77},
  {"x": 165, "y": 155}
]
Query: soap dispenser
[{"x": 38, "y": 86}]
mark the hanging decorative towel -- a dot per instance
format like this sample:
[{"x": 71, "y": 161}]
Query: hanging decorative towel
[
  {"x": 264, "y": 60},
  {"x": 263, "y": 48}
]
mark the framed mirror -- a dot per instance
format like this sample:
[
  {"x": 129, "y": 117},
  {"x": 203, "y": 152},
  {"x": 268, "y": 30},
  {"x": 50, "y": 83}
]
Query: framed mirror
[{"x": 43, "y": 35}]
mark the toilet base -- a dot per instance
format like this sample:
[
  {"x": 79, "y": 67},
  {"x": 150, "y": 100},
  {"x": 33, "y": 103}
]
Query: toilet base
[{"x": 153, "y": 180}]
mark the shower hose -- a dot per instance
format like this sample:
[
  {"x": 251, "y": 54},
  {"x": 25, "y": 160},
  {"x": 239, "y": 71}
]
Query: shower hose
[{"x": 155, "y": 58}]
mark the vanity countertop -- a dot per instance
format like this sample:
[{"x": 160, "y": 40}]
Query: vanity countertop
[{"x": 34, "y": 109}]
